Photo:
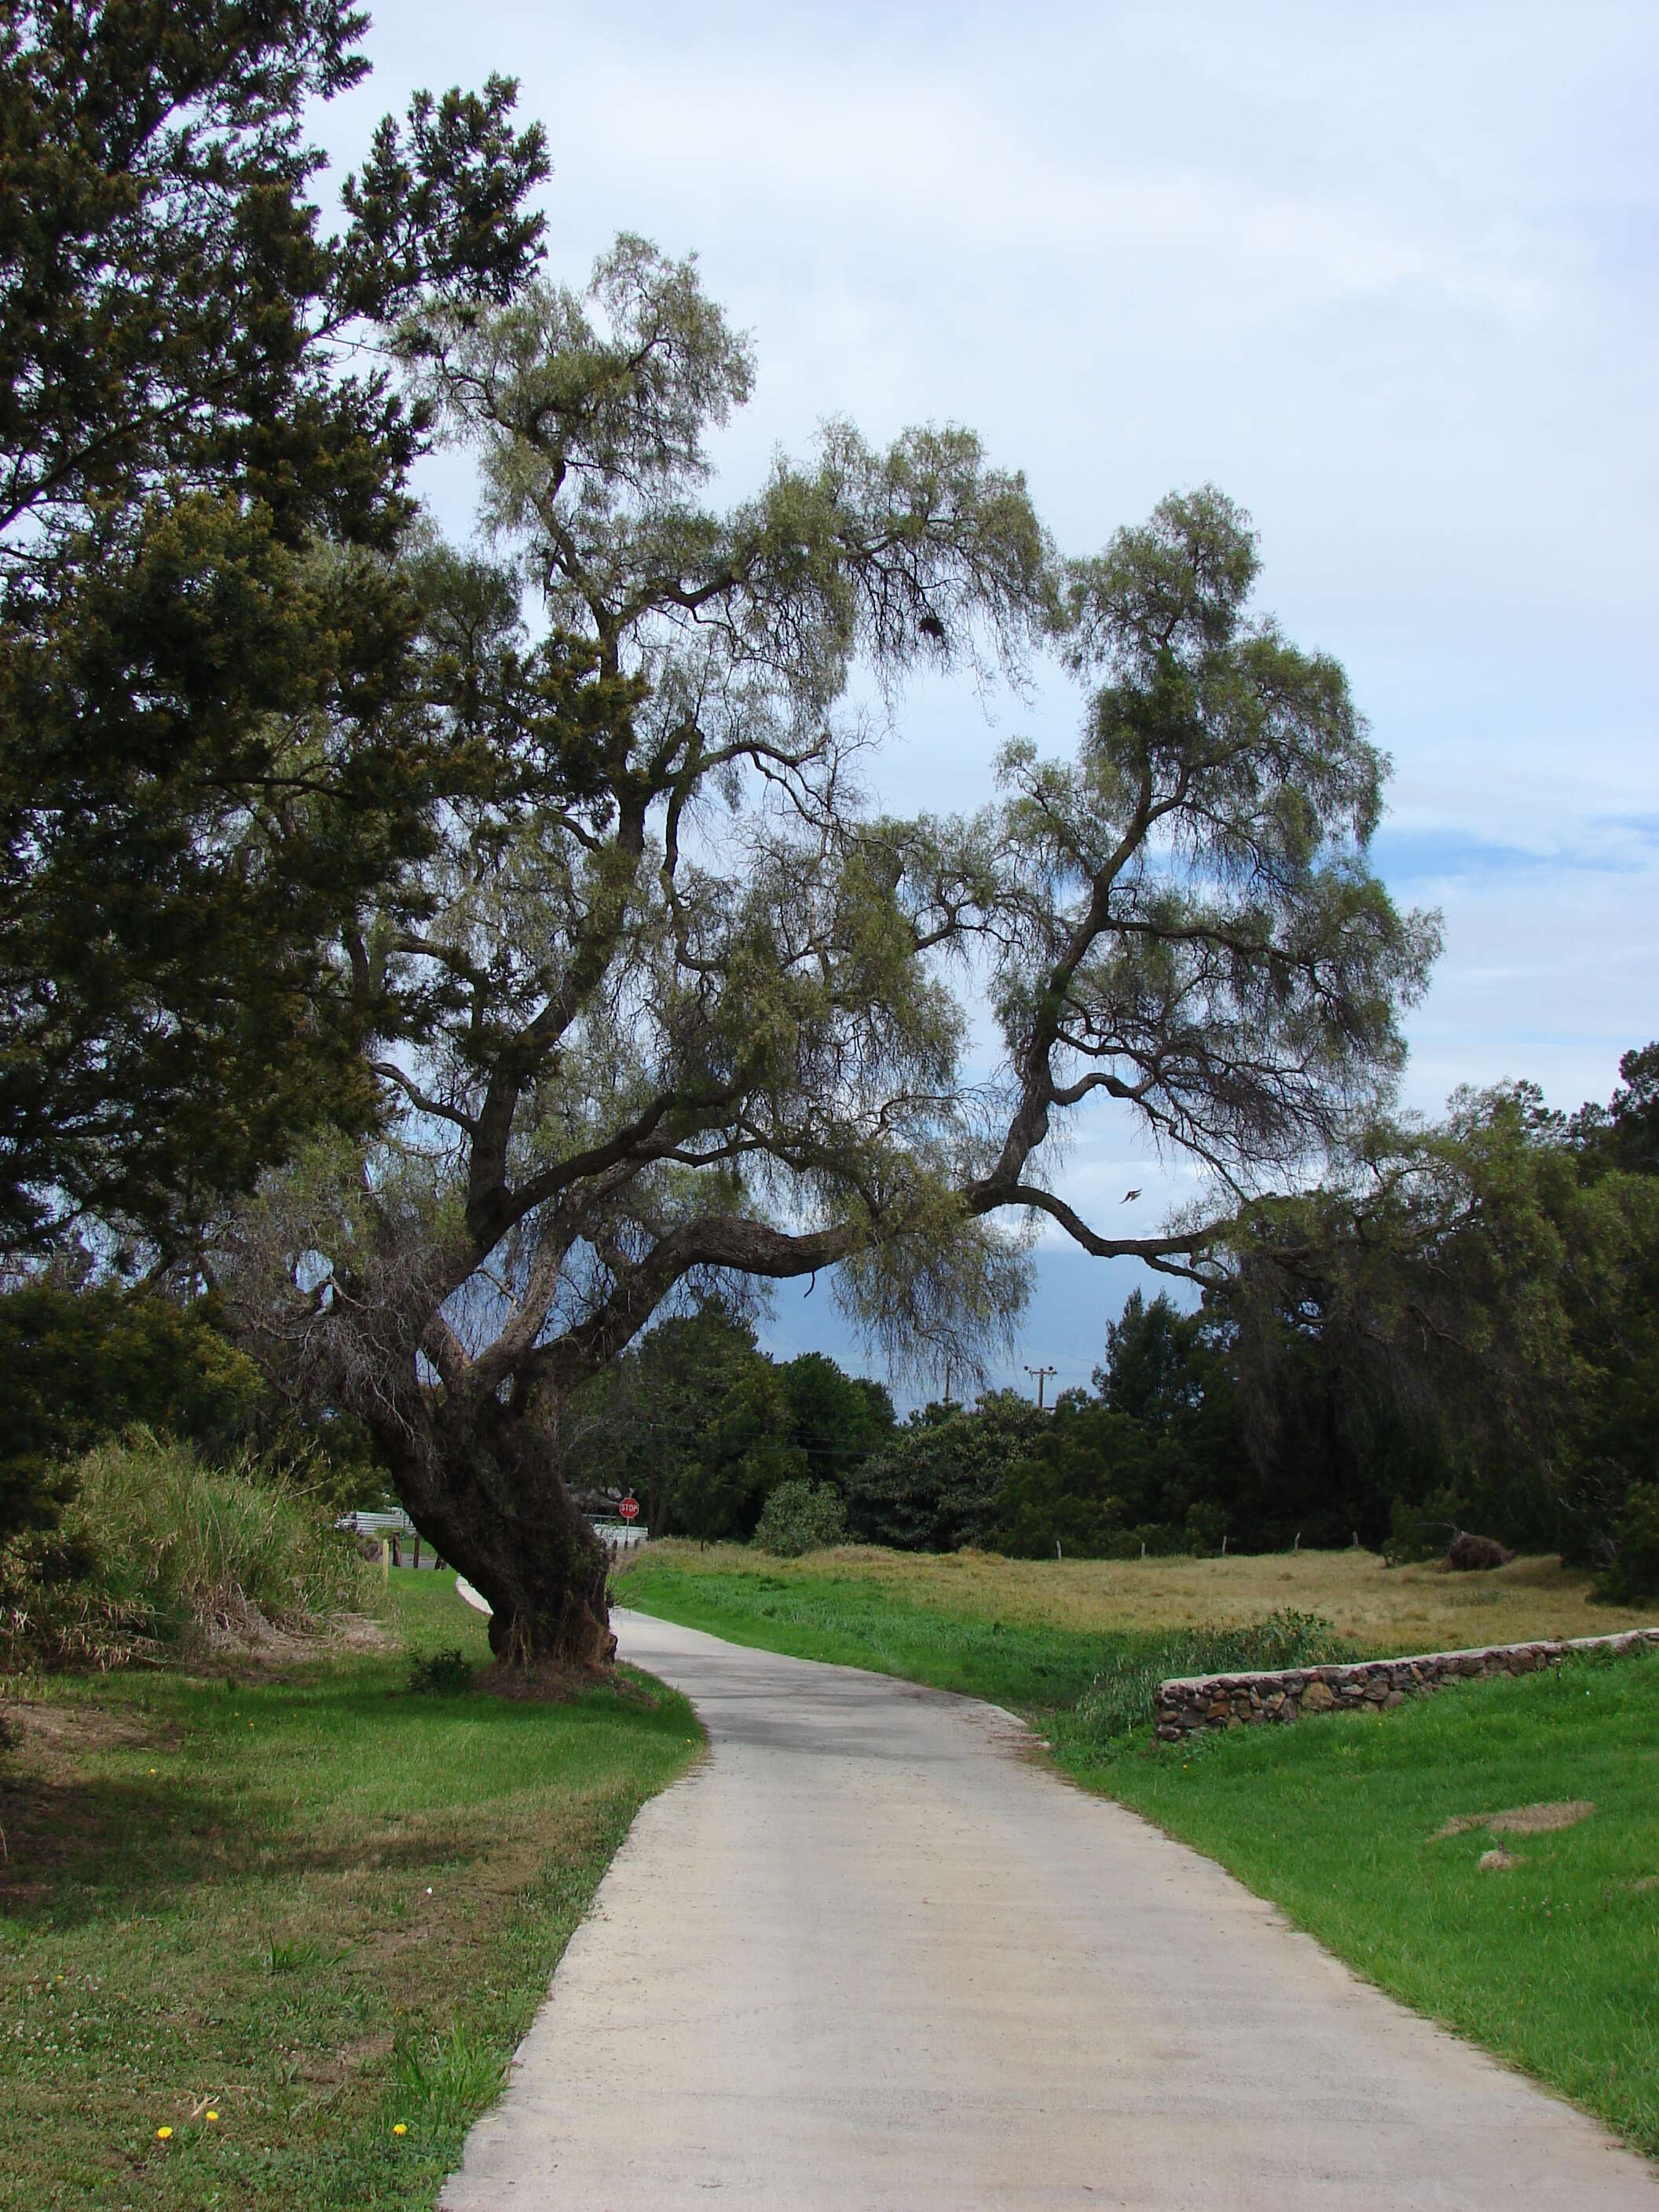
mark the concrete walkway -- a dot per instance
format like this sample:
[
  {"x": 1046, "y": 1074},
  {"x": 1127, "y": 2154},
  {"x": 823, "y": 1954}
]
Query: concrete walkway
[{"x": 871, "y": 1954}]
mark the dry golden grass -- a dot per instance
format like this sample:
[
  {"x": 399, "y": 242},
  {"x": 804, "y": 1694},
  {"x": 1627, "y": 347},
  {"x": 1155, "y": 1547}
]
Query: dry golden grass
[{"x": 1383, "y": 1609}]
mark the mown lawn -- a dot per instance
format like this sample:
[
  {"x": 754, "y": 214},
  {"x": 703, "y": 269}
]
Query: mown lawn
[
  {"x": 1552, "y": 1961},
  {"x": 317, "y": 1904},
  {"x": 856, "y": 1621}
]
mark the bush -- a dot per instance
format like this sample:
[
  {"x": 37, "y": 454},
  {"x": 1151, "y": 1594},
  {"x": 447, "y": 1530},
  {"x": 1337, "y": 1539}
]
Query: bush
[
  {"x": 447, "y": 1674},
  {"x": 1418, "y": 1532},
  {"x": 158, "y": 1556},
  {"x": 80, "y": 1366},
  {"x": 1634, "y": 1573},
  {"x": 801, "y": 1516}
]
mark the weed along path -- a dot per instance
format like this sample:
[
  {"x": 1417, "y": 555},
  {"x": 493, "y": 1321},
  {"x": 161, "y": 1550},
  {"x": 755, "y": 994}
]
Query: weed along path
[{"x": 872, "y": 1953}]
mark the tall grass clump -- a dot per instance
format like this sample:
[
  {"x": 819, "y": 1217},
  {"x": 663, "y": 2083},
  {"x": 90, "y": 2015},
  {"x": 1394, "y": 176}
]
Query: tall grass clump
[
  {"x": 447, "y": 2082},
  {"x": 1119, "y": 1700},
  {"x": 160, "y": 1556}
]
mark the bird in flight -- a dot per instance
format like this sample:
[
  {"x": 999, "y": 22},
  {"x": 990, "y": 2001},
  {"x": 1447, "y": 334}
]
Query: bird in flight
[{"x": 1127, "y": 1195}]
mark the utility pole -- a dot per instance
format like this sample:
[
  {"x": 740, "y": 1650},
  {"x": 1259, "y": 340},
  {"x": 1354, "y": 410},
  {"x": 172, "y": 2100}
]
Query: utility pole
[{"x": 1040, "y": 1372}]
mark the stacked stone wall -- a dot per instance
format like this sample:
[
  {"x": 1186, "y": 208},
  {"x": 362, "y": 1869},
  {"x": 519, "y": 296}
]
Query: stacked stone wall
[{"x": 1189, "y": 1703}]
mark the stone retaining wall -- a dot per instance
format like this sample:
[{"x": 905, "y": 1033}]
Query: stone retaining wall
[{"x": 1186, "y": 1704}]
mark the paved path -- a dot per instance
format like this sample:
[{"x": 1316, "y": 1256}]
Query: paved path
[{"x": 871, "y": 1954}]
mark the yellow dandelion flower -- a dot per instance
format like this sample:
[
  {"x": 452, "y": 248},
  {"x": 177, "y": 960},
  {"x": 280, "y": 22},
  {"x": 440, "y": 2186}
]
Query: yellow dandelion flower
[
  {"x": 400, "y": 2130},
  {"x": 162, "y": 2134},
  {"x": 212, "y": 2117}
]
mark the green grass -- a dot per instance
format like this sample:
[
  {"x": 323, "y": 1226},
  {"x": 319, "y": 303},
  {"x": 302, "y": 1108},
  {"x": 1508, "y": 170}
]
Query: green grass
[
  {"x": 858, "y": 1623},
  {"x": 1101, "y": 1680},
  {"x": 1551, "y": 1963},
  {"x": 1375, "y": 1607},
  {"x": 323, "y": 1904}
]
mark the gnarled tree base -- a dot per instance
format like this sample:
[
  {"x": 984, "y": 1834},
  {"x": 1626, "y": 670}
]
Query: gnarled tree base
[{"x": 489, "y": 1496}]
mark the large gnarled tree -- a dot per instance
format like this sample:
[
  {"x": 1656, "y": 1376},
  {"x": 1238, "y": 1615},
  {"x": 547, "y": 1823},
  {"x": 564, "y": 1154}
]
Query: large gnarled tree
[{"x": 671, "y": 1002}]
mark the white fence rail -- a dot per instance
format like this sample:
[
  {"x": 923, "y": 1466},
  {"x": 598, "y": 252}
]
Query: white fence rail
[{"x": 395, "y": 1527}]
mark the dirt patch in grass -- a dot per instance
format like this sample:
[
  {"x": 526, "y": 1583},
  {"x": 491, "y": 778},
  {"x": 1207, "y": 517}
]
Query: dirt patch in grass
[
  {"x": 547, "y": 1683},
  {"x": 53, "y": 1735},
  {"x": 1522, "y": 1820},
  {"x": 252, "y": 1646}
]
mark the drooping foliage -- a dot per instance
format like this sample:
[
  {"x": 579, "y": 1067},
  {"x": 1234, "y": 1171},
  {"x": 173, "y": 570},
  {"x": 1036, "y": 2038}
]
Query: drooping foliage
[{"x": 672, "y": 1007}]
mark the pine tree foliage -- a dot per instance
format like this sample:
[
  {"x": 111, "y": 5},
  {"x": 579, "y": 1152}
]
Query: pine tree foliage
[{"x": 208, "y": 754}]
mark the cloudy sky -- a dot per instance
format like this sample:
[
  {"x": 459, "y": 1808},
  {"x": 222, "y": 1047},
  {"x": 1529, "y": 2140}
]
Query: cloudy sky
[{"x": 1385, "y": 275}]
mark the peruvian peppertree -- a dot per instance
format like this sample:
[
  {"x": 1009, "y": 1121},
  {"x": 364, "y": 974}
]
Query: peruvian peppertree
[{"x": 669, "y": 1002}]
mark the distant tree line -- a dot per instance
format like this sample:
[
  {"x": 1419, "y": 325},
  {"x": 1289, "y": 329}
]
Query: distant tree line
[
  {"x": 702, "y": 1426},
  {"x": 1476, "y": 1347},
  {"x": 1471, "y": 1341}
]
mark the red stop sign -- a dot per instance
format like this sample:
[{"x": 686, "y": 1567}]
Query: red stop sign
[{"x": 629, "y": 1508}]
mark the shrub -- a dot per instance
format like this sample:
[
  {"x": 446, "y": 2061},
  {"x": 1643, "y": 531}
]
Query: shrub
[
  {"x": 1418, "y": 1532},
  {"x": 801, "y": 1516},
  {"x": 1634, "y": 1573},
  {"x": 158, "y": 1555},
  {"x": 447, "y": 1674},
  {"x": 77, "y": 1365}
]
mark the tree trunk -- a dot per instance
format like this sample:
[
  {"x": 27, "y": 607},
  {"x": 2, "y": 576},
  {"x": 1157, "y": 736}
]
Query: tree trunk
[{"x": 482, "y": 1485}]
